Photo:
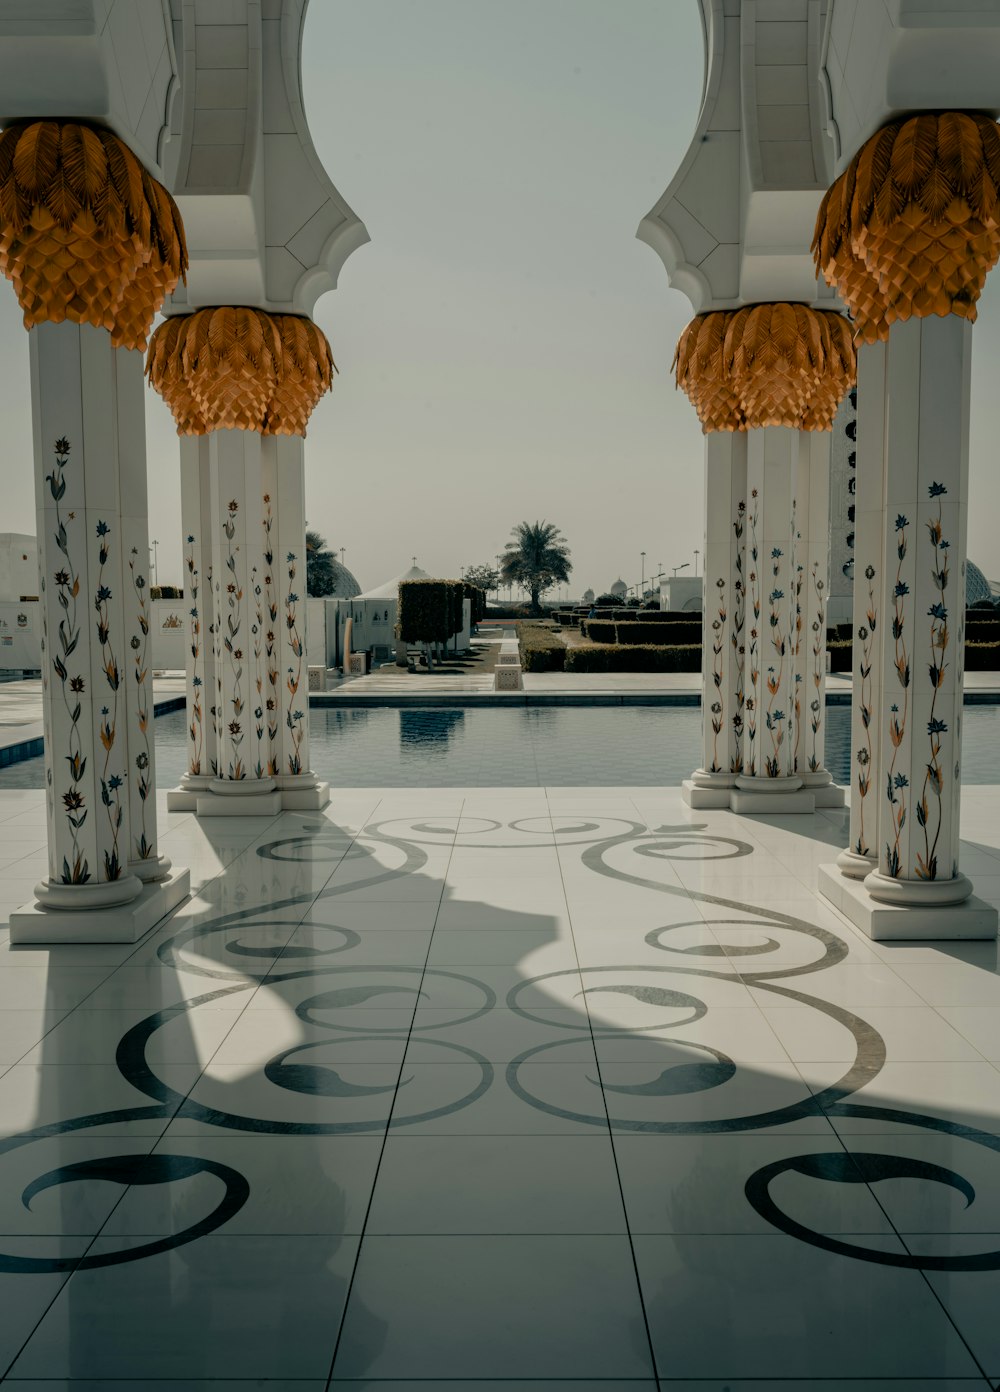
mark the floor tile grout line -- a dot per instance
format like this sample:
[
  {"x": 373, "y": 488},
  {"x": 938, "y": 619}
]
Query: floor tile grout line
[
  {"x": 388, "y": 1122},
  {"x": 155, "y": 1142},
  {"x": 611, "y": 1138}
]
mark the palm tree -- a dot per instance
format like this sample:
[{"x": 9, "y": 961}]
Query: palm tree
[
  {"x": 321, "y": 578},
  {"x": 537, "y": 558}
]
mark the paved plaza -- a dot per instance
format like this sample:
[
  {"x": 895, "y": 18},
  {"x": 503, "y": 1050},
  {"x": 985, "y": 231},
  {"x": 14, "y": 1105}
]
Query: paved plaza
[{"x": 500, "y": 1089}]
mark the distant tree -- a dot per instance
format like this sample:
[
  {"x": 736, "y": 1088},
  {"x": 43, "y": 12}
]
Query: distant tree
[
  {"x": 484, "y": 577},
  {"x": 537, "y": 558},
  {"x": 321, "y": 577}
]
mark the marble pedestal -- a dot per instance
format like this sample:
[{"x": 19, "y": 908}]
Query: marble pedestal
[
  {"x": 972, "y": 918},
  {"x": 120, "y": 923}
]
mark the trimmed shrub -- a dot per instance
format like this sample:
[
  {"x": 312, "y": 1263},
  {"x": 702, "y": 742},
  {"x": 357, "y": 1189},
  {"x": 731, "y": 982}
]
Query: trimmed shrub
[
  {"x": 681, "y": 634},
  {"x": 541, "y": 648},
  {"x": 166, "y": 592},
  {"x": 647, "y": 657},
  {"x": 982, "y": 657},
  {"x": 428, "y": 610},
  {"x": 841, "y": 655},
  {"x": 508, "y": 611},
  {"x": 599, "y": 630},
  {"x": 477, "y": 601}
]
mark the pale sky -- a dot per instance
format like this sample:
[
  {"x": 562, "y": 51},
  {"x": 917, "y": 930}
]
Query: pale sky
[{"x": 504, "y": 342}]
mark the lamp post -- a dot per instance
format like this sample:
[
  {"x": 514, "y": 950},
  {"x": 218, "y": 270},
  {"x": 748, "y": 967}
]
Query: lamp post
[
  {"x": 156, "y": 574},
  {"x": 684, "y": 566},
  {"x": 697, "y": 553},
  {"x": 642, "y": 588}
]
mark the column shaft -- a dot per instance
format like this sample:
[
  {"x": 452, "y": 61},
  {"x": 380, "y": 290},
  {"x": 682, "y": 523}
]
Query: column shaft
[
  {"x": 769, "y": 734},
  {"x": 925, "y": 500},
  {"x": 238, "y": 569},
  {"x": 722, "y": 693},
  {"x": 861, "y": 855},
  {"x": 144, "y": 859},
  {"x": 285, "y": 526},
  {"x": 812, "y": 569},
  {"x": 74, "y": 407}
]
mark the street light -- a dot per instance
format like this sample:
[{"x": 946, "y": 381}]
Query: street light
[
  {"x": 642, "y": 592},
  {"x": 681, "y": 567},
  {"x": 697, "y": 553}
]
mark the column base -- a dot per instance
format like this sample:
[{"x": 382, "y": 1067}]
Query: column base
[
  {"x": 856, "y": 866},
  {"x": 821, "y": 785},
  {"x": 770, "y": 796},
  {"x": 121, "y": 923},
  {"x": 245, "y": 797},
  {"x": 185, "y": 797},
  {"x": 918, "y": 894},
  {"x": 706, "y": 790},
  {"x": 302, "y": 792},
  {"x": 151, "y": 870},
  {"x": 882, "y": 922},
  {"x": 251, "y": 797}
]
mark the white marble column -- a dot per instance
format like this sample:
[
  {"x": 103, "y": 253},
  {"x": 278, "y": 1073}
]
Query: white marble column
[
  {"x": 287, "y": 672},
  {"x": 97, "y": 689},
  {"x": 812, "y": 585},
  {"x": 144, "y": 859},
  {"x": 923, "y": 599},
  {"x": 768, "y": 781},
  {"x": 200, "y": 681},
  {"x": 861, "y": 855},
  {"x": 724, "y": 619},
  {"x": 917, "y": 889},
  {"x": 242, "y": 784}
]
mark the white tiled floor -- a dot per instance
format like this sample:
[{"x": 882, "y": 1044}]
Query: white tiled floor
[{"x": 500, "y": 1089}]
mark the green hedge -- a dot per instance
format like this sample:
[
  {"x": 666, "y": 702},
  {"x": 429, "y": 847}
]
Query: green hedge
[
  {"x": 430, "y": 611},
  {"x": 541, "y": 649},
  {"x": 982, "y": 657},
  {"x": 477, "y": 600},
  {"x": 681, "y": 634},
  {"x": 647, "y": 657},
  {"x": 841, "y": 655}
]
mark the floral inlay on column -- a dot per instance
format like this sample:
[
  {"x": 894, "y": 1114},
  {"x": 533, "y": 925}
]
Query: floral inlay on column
[
  {"x": 140, "y": 644},
  {"x": 257, "y": 632},
  {"x": 929, "y": 813},
  {"x": 111, "y": 783},
  {"x": 897, "y": 783},
  {"x": 863, "y": 756},
  {"x": 717, "y": 708},
  {"x": 270, "y": 643},
  {"x": 818, "y": 665},
  {"x": 293, "y": 716},
  {"x": 753, "y": 655},
  {"x": 196, "y": 730},
  {"x": 73, "y": 687},
  {"x": 736, "y": 639},
  {"x": 775, "y": 717},
  {"x": 230, "y": 643}
]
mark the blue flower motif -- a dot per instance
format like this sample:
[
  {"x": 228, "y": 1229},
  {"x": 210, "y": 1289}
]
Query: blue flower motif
[
  {"x": 193, "y": 613},
  {"x": 290, "y": 556},
  {"x": 776, "y": 553},
  {"x": 937, "y": 611},
  {"x": 196, "y": 681},
  {"x": 935, "y": 490},
  {"x": 943, "y": 545},
  {"x": 776, "y": 595},
  {"x": 293, "y": 599},
  {"x": 190, "y": 540},
  {"x": 901, "y": 522},
  {"x": 936, "y": 727},
  {"x": 103, "y": 593},
  {"x": 114, "y": 782},
  {"x": 902, "y": 588},
  {"x": 102, "y": 529},
  {"x": 901, "y": 781},
  {"x": 894, "y": 709}
]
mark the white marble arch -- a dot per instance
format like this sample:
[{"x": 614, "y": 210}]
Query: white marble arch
[{"x": 265, "y": 224}]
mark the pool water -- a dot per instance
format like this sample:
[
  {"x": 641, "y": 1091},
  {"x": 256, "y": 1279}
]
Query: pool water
[{"x": 529, "y": 746}]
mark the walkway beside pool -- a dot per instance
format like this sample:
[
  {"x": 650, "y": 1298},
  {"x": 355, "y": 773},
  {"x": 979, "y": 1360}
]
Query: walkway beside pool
[{"x": 483, "y": 1088}]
